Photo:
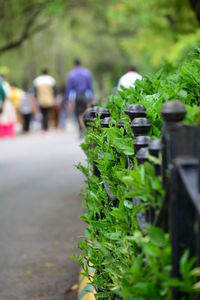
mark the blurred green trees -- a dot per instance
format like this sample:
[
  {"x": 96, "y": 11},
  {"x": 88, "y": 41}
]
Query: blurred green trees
[
  {"x": 106, "y": 35},
  {"x": 150, "y": 30}
]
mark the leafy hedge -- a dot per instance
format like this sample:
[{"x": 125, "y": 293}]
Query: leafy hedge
[{"x": 130, "y": 262}]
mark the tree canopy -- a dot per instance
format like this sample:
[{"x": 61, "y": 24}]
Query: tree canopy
[{"x": 106, "y": 35}]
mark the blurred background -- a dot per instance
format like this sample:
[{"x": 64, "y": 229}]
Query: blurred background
[{"x": 107, "y": 35}]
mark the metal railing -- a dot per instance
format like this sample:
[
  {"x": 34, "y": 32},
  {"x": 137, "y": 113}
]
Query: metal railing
[{"x": 180, "y": 171}]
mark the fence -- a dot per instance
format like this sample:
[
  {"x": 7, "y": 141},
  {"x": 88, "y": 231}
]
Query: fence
[{"x": 180, "y": 170}]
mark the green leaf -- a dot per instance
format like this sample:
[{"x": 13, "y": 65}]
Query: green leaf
[
  {"x": 196, "y": 286},
  {"x": 195, "y": 272},
  {"x": 151, "y": 250},
  {"x": 128, "y": 204},
  {"x": 156, "y": 236}
]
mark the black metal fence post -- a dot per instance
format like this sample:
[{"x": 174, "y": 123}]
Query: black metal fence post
[
  {"x": 179, "y": 155},
  {"x": 173, "y": 113},
  {"x": 182, "y": 223}
]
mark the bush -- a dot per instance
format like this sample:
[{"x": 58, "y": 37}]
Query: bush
[{"x": 132, "y": 262}]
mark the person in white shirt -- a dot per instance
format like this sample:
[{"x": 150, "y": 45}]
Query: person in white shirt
[{"x": 128, "y": 79}]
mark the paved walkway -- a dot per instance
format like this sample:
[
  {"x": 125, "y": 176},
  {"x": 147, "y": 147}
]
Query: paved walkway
[{"x": 39, "y": 210}]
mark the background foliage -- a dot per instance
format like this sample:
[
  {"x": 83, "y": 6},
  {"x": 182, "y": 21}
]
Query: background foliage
[{"x": 107, "y": 35}]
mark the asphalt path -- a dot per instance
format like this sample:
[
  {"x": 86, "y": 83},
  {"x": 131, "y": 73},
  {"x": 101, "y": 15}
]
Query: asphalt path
[{"x": 39, "y": 215}]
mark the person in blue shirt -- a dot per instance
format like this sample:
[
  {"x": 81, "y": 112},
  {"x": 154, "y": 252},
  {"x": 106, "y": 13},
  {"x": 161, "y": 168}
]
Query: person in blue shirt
[{"x": 79, "y": 91}]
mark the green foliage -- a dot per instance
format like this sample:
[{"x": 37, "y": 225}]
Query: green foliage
[
  {"x": 68, "y": 25},
  {"x": 132, "y": 262},
  {"x": 149, "y": 30},
  {"x": 106, "y": 35},
  {"x": 184, "y": 46}
]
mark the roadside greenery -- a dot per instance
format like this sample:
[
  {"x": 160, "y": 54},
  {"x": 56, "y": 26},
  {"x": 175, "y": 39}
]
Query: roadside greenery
[{"x": 132, "y": 262}]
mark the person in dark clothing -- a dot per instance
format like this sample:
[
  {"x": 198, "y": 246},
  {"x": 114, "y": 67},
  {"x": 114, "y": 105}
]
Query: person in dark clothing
[
  {"x": 79, "y": 90},
  {"x": 27, "y": 107}
]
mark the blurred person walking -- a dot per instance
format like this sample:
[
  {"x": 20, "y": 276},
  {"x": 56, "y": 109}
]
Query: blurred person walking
[
  {"x": 2, "y": 94},
  {"x": 45, "y": 93},
  {"x": 8, "y": 116},
  {"x": 6, "y": 86},
  {"x": 79, "y": 91},
  {"x": 28, "y": 107},
  {"x": 16, "y": 98},
  {"x": 128, "y": 79}
]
